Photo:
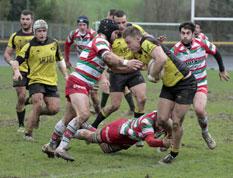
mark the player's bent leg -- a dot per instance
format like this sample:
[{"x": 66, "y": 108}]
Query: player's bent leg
[
  {"x": 80, "y": 103},
  {"x": 20, "y": 107},
  {"x": 165, "y": 107},
  {"x": 139, "y": 91},
  {"x": 178, "y": 114},
  {"x": 59, "y": 129},
  {"x": 70, "y": 131},
  {"x": 199, "y": 104},
  {"x": 33, "y": 117},
  {"x": 95, "y": 99},
  {"x": 116, "y": 98},
  {"x": 52, "y": 106},
  {"x": 129, "y": 98}
]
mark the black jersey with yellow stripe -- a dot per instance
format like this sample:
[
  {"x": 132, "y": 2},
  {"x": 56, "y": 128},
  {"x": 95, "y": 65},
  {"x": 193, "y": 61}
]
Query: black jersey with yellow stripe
[
  {"x": 174, "y": 69},
  {"x": 41, "y": 59},
  {"x": 120, "y": 48},
  {"x": 17, "y": 41}
]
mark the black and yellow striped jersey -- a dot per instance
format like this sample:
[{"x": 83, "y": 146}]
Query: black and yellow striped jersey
[
  {"x": 17, "y": 41},
  {"x": 41, "y": 59},
  {"x": 174, "y": 69},
  {"x": 119, "y": 46}
]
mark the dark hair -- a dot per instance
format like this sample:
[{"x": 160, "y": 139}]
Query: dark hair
[
  {"x": 132, "y": 31},
  {"x": 197, "y": 23},
  {"x": 119, "y": 13},
  {"x": 187, "y": 25},
  {"x": 112, "y": 12},
  {"x": 106, "y": 27},
  {"x": 27, "y": 12}
]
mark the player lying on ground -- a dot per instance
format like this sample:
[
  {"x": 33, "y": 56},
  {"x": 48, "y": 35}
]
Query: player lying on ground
[{"x": 123, "y": 133}]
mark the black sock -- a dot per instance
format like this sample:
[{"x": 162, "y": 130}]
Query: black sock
[
  {"x": 174, "y": 154},
  {"x": 98, "y": 120},
  {"x": 137, "y": 114},
  {"x": 20, "y": 116},
  {"x": 104, "y": 99},
  {"x": 129, "y": 99}
]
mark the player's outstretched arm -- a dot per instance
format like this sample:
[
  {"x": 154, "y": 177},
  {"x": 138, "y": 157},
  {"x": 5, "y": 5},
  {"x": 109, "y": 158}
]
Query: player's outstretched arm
[
  {"x": 114, "y": 61},
  {"x": 153, "y": 142}
]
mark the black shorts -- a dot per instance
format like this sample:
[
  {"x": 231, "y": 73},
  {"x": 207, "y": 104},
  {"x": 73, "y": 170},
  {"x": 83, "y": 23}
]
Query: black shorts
[
  {"x": 23, "y": 82},
  {"x": 47, "y": 90},
  {"x": 118, "y": 82},
  {"x": 182, "y": 93}
]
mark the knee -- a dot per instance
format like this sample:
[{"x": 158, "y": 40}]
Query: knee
[
  {"x": 54, "y": 110},
  {"x": 84, "y": 115},
  {"x": 37, "y": 105},
  {"x": 141, "y": 100},
  {"x": 162, "y": 122},
  {"x": 21, "y": 97},
  {"x": 114, "y": 107},
  {"x": 175, "y": 125},
  {"x": 199, "y": 111}
]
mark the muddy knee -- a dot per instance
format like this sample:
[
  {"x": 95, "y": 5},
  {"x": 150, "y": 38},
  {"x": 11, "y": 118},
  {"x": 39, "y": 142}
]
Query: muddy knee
[{"x": 175, "y": 126}]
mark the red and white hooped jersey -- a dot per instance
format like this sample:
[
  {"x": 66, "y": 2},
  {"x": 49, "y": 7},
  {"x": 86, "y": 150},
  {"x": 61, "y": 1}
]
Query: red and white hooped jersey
[
  {"x": 202, "y": 36},
  {"x": 90, "y": 66},
  {"x": 79, "y": 40},
  {"x": 140, "y": 128},
  {"x": 195, "y": 57}
]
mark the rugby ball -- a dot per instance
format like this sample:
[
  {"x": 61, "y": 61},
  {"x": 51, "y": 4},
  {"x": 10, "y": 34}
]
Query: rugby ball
[{"x": 153, "y": 78}]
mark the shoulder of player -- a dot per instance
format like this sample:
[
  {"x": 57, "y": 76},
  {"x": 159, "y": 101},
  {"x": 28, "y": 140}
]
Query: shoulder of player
[
  {"x": 147, "y": 43},
  {"x": 137, "y": 26},
  {"x": 73, "y": 32},
  {"x": 199, "y": 41},
  {"x": 34, "y": 42},
  {"x": 13, "y": 35},
  {"x": 99, "y": 39},
  {"x": 91, "y": 31},
  {"x": 178, "y": 46},
  {"x": 21, "y": 33}
]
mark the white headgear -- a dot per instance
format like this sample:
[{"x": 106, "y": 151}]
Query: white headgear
[{"x": 40, "y": 24}]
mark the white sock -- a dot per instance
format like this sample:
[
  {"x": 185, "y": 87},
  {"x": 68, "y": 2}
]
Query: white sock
[
  {"x": 57, "y": 133},
  {"x": 70, "y": 131}
]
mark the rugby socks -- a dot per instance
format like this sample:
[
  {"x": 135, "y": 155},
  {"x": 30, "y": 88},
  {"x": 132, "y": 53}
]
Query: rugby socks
[
  {"x": 174, "y": 152},
  {"x": 57, "y": 133},
  {"x": 129, "y": 99},
  {"x": 88, "y": 126},
  {"x": 98, "y": 119},
  {"x": 137, "y": 114},
  {"x": 70, "y": 131},
  {"x": 203, "y": 122},
  {"x": 21, "y": 116},
  {"x": 104, "y": 99}
]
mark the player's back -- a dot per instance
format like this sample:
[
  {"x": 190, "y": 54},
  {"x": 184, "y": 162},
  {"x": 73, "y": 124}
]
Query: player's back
[{"x": 91, "y": 64}]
